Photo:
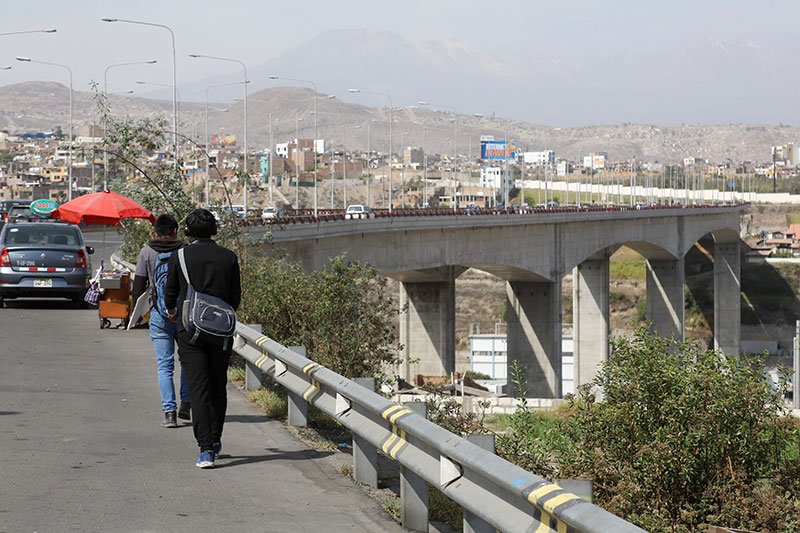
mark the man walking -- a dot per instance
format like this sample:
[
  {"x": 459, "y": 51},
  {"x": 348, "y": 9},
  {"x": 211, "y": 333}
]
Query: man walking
[
  {"x": 212, "y": 270},
  {"x": 151, "y": 271}
]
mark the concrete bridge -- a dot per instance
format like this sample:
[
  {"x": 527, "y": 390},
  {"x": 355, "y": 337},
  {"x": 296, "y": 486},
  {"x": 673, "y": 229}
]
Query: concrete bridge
[{"x": 532, "y": 253}]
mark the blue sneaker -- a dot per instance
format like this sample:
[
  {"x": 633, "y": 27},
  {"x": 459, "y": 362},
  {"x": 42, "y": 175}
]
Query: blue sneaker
[
  {"x": 206, "y": 459},
  {"x": 217, "y": 448}
]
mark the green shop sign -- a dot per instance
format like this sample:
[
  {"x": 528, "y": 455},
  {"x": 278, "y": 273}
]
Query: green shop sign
[{"x": 43, "y": 207}]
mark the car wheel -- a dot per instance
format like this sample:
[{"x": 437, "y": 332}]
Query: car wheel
[{"x": 2, "y": 302}]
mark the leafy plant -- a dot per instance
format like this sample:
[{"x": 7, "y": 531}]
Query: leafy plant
[
  {"x": 342, "y": 314},
  {"x": 680, "y": 434}
]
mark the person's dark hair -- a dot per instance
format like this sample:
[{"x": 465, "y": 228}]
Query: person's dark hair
[
  {"x": 201, "y": 224},
  {"x": 165, "y": 225}
]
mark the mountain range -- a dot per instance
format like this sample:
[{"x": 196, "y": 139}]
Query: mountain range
[
  {"x": 705, "y": 80},
  {"x": 712, "y": 99}
]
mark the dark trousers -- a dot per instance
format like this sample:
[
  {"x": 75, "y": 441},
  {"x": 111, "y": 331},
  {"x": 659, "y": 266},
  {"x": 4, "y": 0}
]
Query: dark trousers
[{"x": 206, "y": 368}]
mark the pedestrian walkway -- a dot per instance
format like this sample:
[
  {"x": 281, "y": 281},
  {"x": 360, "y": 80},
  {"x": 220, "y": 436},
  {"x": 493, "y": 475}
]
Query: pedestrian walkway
[{"x": 82, "y": 449}]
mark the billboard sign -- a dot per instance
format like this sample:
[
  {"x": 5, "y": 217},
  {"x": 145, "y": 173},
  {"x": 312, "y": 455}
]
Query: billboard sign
[
  {"x": 497, "y": 150},
  {"x": 223, "y": 140}
]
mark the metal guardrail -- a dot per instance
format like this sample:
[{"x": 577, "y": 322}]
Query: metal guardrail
[{"x": 492, "y": 490}]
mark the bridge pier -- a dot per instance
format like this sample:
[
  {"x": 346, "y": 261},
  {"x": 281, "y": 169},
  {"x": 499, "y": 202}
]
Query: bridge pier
[
  {"x": 590, "y": 318},
  {"x": 665, "y": 298},
  {"x": 427, "y": 328},
  {"x": 727, "y": 298},
  {"x": 534, "y": 335}
]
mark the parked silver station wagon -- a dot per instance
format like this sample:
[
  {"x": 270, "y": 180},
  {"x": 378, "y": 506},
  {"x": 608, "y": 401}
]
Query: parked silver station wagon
[{"x": 43, "y": 260}]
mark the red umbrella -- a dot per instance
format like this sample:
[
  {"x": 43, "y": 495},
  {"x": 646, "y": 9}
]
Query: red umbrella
[{"x": 101, "y": 208}]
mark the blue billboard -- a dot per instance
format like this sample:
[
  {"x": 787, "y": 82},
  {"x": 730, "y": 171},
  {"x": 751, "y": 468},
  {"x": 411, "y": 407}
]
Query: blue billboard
[{"x": 497, "y": 150}]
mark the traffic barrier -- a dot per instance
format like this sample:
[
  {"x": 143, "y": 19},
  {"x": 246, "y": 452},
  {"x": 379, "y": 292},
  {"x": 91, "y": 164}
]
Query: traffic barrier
[{"x": 488, "y": 488}]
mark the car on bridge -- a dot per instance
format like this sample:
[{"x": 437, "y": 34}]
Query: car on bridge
[
  {"x": 45, "y": 260},
  {"x": 269, "y": 214},
  {"x": 358, "y": 211}
]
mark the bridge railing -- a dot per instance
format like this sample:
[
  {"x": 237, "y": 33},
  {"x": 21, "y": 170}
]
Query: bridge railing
[
  {"x": 306, "y": 216},
  {"x": 493, "y": 492}
]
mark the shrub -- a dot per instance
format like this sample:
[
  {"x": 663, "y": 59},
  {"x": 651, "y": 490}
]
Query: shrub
[
  {"x": 683, "y": 434},
  {"x": 342, "y": 314}
]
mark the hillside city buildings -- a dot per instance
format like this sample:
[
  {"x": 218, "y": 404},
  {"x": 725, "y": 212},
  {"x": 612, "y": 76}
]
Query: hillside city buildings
[{"x": 33, "y": 165}]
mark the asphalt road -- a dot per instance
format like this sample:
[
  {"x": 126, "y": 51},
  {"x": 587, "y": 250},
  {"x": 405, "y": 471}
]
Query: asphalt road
[{"x": 81, "y": 448}]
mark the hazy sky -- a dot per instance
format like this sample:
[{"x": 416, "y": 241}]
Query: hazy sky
[{"x": 255, "y": 31}]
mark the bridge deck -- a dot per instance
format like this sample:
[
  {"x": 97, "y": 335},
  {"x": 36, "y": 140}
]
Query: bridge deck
[{"x": 82, "y": 449}]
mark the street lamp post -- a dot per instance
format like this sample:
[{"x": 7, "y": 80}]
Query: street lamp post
[
  {"x": 105, "y": 125},
  {"x": 208, "y": 156},
  {"x": 245, "y": 82},
  {"x": 69, "y": 153},
  {"x": 369, "y": 152},
  {"x": 271, "y": 161},
  {"x": 158, "y": 84},
  {"x": 469, "y": 158},
  {"x": 391, "y": 120},
  {"x": 424, "y": 166},
  {"x": 314, "y": 142},
  {"x": 403, "y": 135},
  {"x": 455, "y": 147},
  {"x": 49, "y": 30},
  {"x": 315, "y": 113},
  {"x": 174, "y": 77},
  {"x": 297, "y": 120}
]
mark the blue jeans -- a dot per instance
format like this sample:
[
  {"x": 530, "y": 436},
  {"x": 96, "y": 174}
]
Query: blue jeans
[{"x": 162, "y": 333}]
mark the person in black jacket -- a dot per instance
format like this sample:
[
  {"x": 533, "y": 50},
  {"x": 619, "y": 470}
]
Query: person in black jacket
[{"x": 213, "y": 270}]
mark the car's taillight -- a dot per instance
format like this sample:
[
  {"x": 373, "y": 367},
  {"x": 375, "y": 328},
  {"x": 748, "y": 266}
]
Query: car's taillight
[
  {"x": 5, "y": 261},
  {"x": 80, "y": 260}
]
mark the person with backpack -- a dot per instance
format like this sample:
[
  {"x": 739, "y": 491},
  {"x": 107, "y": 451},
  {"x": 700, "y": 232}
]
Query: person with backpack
[
  {"x": 202, "y": 294},
  {"x": 152, "y": 266}
]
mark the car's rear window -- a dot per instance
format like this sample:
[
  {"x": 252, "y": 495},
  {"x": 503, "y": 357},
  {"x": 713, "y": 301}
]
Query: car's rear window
[{"x": 42, "y": 235}]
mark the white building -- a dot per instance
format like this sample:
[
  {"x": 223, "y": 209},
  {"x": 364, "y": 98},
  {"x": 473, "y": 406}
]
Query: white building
[
  {"x": 493, "y": 177},
  {"x": 787, "y": 154},
  {"x": 488, "y": 354},
  {"x": 282, "y": 150},
  {"x": 564, "y": 168},
  {"x": 595, "y": 161},
  {"x": 544, "y": 158}
]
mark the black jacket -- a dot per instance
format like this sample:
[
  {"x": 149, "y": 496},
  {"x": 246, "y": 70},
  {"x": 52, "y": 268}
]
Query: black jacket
[{"x": 213, "y": 270}]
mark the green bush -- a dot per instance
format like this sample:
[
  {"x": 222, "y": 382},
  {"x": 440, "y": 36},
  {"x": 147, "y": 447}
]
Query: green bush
[
  {"x": 342, "y": 314},
  {"x": 681, "y": 435}
]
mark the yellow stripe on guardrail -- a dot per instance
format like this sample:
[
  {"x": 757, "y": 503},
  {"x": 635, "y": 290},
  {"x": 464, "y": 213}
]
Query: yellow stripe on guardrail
[
  {"x": 548, "y": 507},
  {"x": 392, "y": 445},
  {"x": 265, "y": 356},
  {"x": 314, "y": 389}
]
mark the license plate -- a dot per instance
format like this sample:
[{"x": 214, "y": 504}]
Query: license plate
[{"x": 43, "y": 282}]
